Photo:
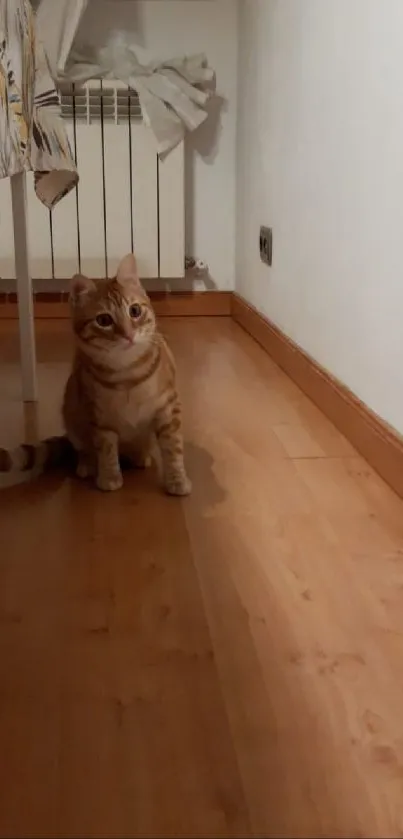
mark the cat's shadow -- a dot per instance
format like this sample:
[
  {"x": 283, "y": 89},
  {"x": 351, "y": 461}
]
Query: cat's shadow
[{"x": 206, "y": 491}]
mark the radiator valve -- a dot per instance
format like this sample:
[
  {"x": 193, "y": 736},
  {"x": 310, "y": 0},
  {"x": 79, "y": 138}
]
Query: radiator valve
[{"x": 196, "y": 266}]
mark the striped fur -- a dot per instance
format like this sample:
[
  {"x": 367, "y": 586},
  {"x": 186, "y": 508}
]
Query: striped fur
[
  {"x": 121, "y": 394},
  {"x": 41, "y": 457}
]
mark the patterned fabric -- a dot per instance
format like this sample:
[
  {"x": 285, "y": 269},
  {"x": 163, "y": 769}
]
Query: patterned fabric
[{"x": 32, "y": 132}]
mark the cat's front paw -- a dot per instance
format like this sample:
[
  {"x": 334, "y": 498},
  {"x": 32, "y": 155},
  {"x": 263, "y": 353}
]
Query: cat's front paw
[
  {"x": 178, "y": 485},
  {"x": 110, "y": 482}
]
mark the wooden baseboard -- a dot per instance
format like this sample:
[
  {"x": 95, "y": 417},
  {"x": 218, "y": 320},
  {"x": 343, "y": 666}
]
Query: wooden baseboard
[
  {"x": 172, "y": 304},
  {"x": 380, "y": 444}
]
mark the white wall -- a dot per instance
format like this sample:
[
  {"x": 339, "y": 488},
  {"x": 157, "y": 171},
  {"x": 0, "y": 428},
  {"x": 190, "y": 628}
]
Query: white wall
[
  {"x": 166, "y": 28},
  {"x": 320, "y": 159}
]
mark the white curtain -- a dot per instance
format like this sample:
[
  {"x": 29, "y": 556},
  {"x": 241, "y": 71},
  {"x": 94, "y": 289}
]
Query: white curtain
[{"x": 57, "y": 23}]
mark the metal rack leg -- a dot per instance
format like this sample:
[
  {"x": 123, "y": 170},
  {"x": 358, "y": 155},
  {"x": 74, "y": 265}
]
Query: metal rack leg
[{"x": 24, "y": 289}]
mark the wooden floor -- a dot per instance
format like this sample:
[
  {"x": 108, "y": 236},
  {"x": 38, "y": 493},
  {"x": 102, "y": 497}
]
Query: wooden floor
[{"x": 228, "y": 665}]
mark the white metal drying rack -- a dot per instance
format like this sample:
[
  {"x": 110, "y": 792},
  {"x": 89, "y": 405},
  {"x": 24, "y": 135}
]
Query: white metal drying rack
[
  {"x": 24, "y": 288},
  {"x": 58, "y": 21}
]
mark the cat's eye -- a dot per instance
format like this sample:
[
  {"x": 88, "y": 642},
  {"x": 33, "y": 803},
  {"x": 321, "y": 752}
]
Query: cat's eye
[
  {"x": 135, "y": 311},
  {"x": 104, "y": 320}
]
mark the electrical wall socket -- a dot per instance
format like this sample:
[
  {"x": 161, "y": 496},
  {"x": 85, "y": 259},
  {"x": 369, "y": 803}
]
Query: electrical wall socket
[{"x": 266, "y": 245}]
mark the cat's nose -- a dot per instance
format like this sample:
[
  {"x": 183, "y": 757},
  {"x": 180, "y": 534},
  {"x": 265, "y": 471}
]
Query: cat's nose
[{"x": 127, "y": 334}]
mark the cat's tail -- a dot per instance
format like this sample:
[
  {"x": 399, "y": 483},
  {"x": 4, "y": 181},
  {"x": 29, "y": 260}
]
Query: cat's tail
[{"x": 48, "y": 454}]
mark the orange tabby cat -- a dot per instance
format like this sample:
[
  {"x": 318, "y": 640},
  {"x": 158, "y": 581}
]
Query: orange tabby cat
[{"x": 121, "y": 391}]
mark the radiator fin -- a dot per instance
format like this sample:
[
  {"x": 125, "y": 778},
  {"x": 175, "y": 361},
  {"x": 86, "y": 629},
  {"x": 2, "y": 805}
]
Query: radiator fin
[{"x": 88, "y": 103}]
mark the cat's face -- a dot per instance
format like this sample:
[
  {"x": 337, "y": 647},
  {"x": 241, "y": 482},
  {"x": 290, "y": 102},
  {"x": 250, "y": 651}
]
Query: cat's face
[{"x": 113, "y": 317}]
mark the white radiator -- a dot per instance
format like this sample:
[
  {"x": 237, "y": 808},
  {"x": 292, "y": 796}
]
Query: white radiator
[{"x": 127, "y": 198}]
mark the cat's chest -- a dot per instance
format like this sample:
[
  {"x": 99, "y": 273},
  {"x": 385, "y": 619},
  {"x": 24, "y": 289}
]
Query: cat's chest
[
  {"x": 140, "y": 407},
  {"x": 136, "y": 408}
]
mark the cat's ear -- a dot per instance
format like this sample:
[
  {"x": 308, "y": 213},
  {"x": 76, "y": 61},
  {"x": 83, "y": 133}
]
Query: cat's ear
[
  {"x": 128, "y": 271},
  {"x": 80, "y": 287}
]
